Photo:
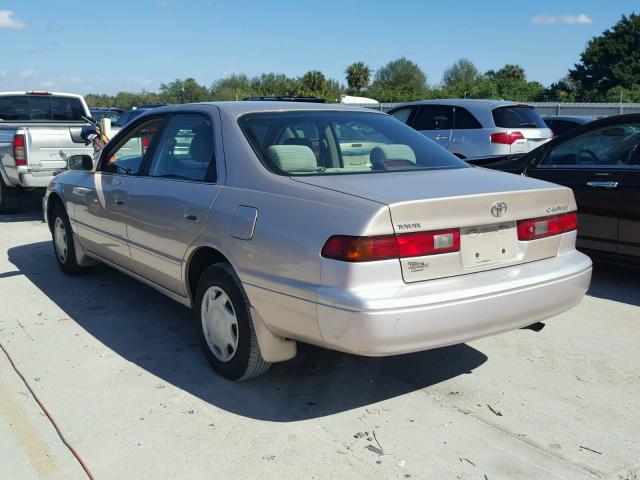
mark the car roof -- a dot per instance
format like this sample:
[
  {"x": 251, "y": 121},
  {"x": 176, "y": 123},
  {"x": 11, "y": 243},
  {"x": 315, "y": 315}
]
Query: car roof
[
  {"x": 248, "y": 106},
  {"x": 466, "y": 102}
]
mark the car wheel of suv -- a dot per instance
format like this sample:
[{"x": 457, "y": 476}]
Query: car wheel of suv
[
  {"x": 63, "y": 245},
  {"x": 9, "y": 198},
  {"x": 226, "y": 330}
]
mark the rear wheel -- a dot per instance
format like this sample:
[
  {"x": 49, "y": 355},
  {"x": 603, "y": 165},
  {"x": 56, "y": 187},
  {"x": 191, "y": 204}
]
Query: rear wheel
[
  {"x": 9, "y": 198},
  {"x": 63, "y": 245},
  {"x": 226, "y": 330}
]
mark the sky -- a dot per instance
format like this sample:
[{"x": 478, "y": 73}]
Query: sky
[{"x": 82, "y": 47}]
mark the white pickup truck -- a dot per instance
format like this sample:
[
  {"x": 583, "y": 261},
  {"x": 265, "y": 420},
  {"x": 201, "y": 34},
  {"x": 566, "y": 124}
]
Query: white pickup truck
[{"x": 38, "y": 132}]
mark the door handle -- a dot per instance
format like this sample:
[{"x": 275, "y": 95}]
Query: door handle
[
  {"x": 602, "y": 184},
  {"x": 119, "y": 202},
  {"x": 189, "y": 217},
  {"x": 442, "y": 137}
]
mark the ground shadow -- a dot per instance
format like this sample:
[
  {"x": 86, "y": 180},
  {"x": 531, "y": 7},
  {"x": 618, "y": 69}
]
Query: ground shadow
[
  {"x": 159, "y": 335},
  {"x": 615, "y": 282}
]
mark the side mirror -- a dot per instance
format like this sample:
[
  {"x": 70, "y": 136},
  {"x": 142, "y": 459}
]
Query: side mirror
[{"x": 80, "y": 162}]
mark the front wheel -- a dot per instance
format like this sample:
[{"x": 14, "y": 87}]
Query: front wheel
[
  {"x": 226, "y": 330},
  {"x": 63, "y": 245}
]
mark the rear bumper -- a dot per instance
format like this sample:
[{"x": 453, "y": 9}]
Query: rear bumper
[
  {"x": 453, "y": 310},
  {"x": 36, "y": 180}
]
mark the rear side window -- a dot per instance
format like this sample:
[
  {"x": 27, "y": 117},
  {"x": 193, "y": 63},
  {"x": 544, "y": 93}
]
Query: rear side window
[
  {"x": 402, "y": 114},
  {"x": 433, "y": 117},
  {"x": 517, "y": 117},
  {"x": 465, "y": 120},
  {"x": 41, "y": 108}
]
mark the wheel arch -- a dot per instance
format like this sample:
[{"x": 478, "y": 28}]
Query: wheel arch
[
  {"x": 53, "y": 200},
  {"x": 273, "y": 347},
  {"x": 199, "y": 260}
]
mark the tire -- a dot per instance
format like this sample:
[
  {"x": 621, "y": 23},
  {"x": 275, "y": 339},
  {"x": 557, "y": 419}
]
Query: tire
[
  {"x": 63, "y": 246},
  {"x": 9, "y": 198},
  {"x": 226, "y": 330}
]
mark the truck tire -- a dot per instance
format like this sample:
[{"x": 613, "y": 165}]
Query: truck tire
[
  {"x": 227, "y": 335},
  {"x": 9, "y": 198}
]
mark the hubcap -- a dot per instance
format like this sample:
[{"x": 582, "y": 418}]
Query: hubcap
[
  {"x": 219, "y": 323},
  {"x": 60, "y": 239}
]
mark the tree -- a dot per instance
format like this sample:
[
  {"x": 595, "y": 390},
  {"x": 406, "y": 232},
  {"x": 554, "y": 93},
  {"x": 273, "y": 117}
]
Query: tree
[
  {"x": 564, "y": 90},
  {"x": 275, "y": 84},
  {"x": 314, "y": 83},
  {"x": 192, "y": 91},
  {"x": 610, "y": 60},
  {"x": 233, "y": 87},
  {"x": 399, "y": 80},
  {"x": 511, "y": 84},
  {"x": 358, "y": 76},
  {"x": 462, "y": 79}
]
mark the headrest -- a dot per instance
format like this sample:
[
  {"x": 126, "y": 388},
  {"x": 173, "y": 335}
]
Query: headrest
[
  {"x": 392, "y": 151},
  {"x": 292, "y": 158}
]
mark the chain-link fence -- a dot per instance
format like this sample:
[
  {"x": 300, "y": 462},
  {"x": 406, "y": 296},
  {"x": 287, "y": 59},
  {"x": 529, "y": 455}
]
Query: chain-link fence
[{"x": 557, "y": 108}]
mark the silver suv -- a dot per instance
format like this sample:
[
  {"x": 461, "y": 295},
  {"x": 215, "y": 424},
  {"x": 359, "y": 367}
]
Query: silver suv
[{"x": 477, "y": 128}]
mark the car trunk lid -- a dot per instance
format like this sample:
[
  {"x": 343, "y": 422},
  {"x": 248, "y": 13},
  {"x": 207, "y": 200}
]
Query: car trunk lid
[{"x": 484, "y": 205}]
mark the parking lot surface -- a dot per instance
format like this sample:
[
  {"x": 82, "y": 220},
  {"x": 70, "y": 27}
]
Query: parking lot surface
[{"x": 119, "y": 367}]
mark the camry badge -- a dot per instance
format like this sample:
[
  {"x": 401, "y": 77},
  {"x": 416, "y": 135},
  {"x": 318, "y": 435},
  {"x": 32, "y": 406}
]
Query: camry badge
[{"x": 498, "y": 209}]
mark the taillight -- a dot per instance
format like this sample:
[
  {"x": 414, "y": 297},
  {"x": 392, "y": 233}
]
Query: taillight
[
  {"x": 506, "y": 138},
  {"x": 19, "y": 151},
  {"x": 145, "y": 143},
  {"x": 541, "y": 227},
  {"x": 384, "y": 247}
]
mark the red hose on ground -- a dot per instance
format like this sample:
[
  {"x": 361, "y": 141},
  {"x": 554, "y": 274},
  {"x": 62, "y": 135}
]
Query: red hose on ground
[{"x": 46, "y": 412}]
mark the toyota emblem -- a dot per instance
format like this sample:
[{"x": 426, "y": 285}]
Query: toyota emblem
[{"x": 498, "y": 209}]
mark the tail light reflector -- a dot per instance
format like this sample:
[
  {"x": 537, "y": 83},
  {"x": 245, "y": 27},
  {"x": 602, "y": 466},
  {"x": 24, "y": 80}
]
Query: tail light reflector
[
  {"x": 384, "y": 247},
  {"x": 541, "y": 227},
  {"x": 506, "y": 138},
  {"x": 19, "y": 151}
]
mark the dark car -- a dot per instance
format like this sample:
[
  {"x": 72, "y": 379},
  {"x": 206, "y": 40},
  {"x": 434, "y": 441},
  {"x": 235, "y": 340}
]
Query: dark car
[
  {"x": 126, "y": 117},
  {"x": 560, "y": 124},
  {"x": 112, "y": 113},
  {"x": 600, "y": 161}
]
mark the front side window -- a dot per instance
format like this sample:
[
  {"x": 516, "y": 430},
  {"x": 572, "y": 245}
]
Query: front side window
[
  {"x": 433, "y": 117},
  {"x": 333, "y": 143},
  {"x": 186, "y": 151},
  {"x": 610, "y": 147},
  {"x": 127, "y": 156}
]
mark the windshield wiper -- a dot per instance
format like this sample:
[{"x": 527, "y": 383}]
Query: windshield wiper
[{"x": 528, "y": 125}]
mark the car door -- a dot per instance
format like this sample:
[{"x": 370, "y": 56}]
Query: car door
[
  {"x": 435, "y": 122},
  {"x": 468, "y": 140},
  {"x": 595, "y": 163},
  {"x": 101, "y": 197},
  {"x": 170, "y": 202},
  {"x": 629, "y": 226}
]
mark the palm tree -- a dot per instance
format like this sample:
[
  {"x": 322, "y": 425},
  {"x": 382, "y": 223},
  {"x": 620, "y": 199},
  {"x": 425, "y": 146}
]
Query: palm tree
[{"x": 358, "y": 76}]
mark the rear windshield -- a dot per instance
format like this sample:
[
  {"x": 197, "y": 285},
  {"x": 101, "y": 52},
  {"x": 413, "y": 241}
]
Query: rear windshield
[
  {"x": 517, "y": 117},
  {"x": 41, "y": 108},
  {"x": 333, "y": 143}
]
